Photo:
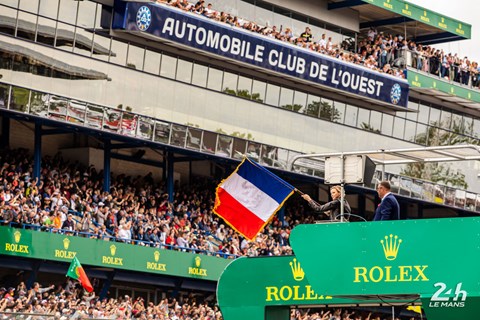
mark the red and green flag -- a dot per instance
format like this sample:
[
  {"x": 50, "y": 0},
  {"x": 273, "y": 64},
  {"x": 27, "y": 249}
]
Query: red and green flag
[{"x": 75, "y": 271}]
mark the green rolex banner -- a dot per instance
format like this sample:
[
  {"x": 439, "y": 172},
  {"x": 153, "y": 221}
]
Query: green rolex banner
[{"x": 75, "y": 271}]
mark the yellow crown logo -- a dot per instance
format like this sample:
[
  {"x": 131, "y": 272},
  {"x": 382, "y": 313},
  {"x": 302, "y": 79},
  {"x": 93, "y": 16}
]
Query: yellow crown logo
[
  {"x": 198, "y": 261},
  {"x": 17, "y": 235},
  {"x": 113, "y": 249},
  {"x": 66, "y": 243},
  {"x": 459, "y": 26},
  {"x": 443, "y": 19},
  {"x": 156, "y": 256},
  {"x": 416, "y": 78},
  {"x": 297, "y": 271},
  {"x": 406, "y": 6},
  {"x": 434, "y": 84},
  {"x": 390, "y": 246},
  {"x": 425, "y": 13}
]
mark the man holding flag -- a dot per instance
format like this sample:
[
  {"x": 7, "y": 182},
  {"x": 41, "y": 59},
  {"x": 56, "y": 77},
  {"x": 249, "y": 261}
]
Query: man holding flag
[{"x": 75, "y": 271}]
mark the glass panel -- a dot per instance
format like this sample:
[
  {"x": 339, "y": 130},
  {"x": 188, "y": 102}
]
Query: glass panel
[
  {"x": 417, "y": 189},
  {"x": 270, "y": 157},
  {"x": 39, "y": 103},
  {"x": 76, "y": 111},
  {"x": 135, "y": 57},
  {"x": 111, "y": 120},
  {"x": 229, "y": 85},
  {"x": 470, "y": 201},
  {"x": 4, "y": 93},
  {"x": 152, "y": 62},
  {"x": 57, "y": 108},
  {"x": 94, "y": 116},
  {"x": 49, "y": 8},
  {"x": 363, "y": 121},
  {"x": 456, "y": 123},
  {"x": 439, "y": 194},
  {"x": 239, "y": 148},
  {"x": 424, "y": 113},
  {"x": 412, "y": 115},
  {"x": 254, "y": 150},
  {"x": 119, "y": 53},
  {"x": 209, "y": 141},
  {"x": 215, "y": 78},
  {"x": 405, "y": 186},
  {"x": 299, "y": 101},
  {"x": 11, "y": 15},
  {"x": 468, "y": 124},
  {"x": 286, "y": 98},
  {"x": 398, "y": 127},
  {"x": 129, "y": 124},
  {"x": 339, "y": 112},
  {"x": 65, "y": 37},
  {"x": 178, "y": 135},
  {"x": 11, "y": 3},
  {"x": 476, "y": 128},
  {"x": 434, "y": 117},
  {"x": 460, "y": 197},
  {"x": 101, "y": 48},
  {"x": 67, "y": 11},
  {"x": 272, "y": 96},
  {"x": 375, "y": 121},
  {"x": 145, "y": 128},
  {"x": 428, "y": 192},
  {"x": 313, "y": 105},
  {"x": 19, "y": 99},
  {"x": 410, "y": 128},
  {"x": 200, "y": 74},
  {"x": 184, "y": 71},
  {"x": 477, "y": 203},
  {"x": 87, "y": 12},
  {"x": 83, "y": 42},
  {"x": 29, "y": 5},
  {"x": 162, "y": 132},
  {"x": 45, "y": 36},
  {"x": 449, "y": 196},
  {"x": 421, "y": 134},
  {"x": 224, "y": 146},
  {"x": 351, "y": 115},
  {"x": 258, "y": 90},
  {"x": 387, "y": 124},
  {"x": 446, "y": 119},
  {"x": 244, "y": 89},
  {"x": 26, "y": 25},
  {"x": 194, "y": 138}
]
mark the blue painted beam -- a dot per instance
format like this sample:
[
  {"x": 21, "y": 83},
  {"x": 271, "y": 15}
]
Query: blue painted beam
[
  {"x": 345, "y": 4},
  {"x": 5, "y": 138},
  {"x": 46, "y": 132},
  {"x": 107, "y": 152},
  {"x": 170, "y": 180},
  {"x": 385, "y": 22},
  {"x": 37, "y": 151},
  {"x": 437, "y": 38}
]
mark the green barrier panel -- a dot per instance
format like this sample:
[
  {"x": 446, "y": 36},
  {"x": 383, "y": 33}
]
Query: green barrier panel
[
  {"x": 419, "y": 80},
  {"x": 425, "y": 16},
  {"x": 51, "y": 246},
  {"x": 260, "y": 288},
  {"x": 435, "y": 258}
]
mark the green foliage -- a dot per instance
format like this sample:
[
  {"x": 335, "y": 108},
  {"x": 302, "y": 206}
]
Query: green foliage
[
  {"x": 368, "y": 127},
  {"x": 243, "y": 94}
]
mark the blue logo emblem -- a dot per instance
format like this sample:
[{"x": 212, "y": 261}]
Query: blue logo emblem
[
  {"x": 144, "y": 18},
  {"x": 396, "y": 93}
]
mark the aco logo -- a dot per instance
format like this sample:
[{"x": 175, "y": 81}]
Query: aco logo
[
  {"x": 390, "y": 273},
  {"x": 17, "y": 247},
  {"x": 395, "y": 93},
  {"x": 294, "y": 292},
  {"x": 144, "y": 18}
]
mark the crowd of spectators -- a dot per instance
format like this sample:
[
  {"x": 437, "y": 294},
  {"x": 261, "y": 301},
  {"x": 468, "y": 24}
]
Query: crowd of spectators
[
  {"x": 69, "y": 199},
  {"x": 70, "y": 301}
]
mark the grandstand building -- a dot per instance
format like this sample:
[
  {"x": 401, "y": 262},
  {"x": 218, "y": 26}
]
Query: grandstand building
[{"x": 169, "y": 88}]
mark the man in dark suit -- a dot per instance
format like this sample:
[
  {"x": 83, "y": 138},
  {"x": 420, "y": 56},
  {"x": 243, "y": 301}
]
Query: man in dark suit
[{"x": 388, "y": 209}]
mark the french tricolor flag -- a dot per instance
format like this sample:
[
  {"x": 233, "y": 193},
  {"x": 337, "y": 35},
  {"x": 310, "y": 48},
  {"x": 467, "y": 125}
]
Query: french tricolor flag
[{"x": 248, "y": 199}]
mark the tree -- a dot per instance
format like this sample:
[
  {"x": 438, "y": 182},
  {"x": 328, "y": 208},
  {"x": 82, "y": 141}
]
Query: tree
[{"x": 435, "y": 136}]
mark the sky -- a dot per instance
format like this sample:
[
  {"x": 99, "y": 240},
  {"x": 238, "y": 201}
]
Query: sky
[{"x": 465, "y": 11}]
